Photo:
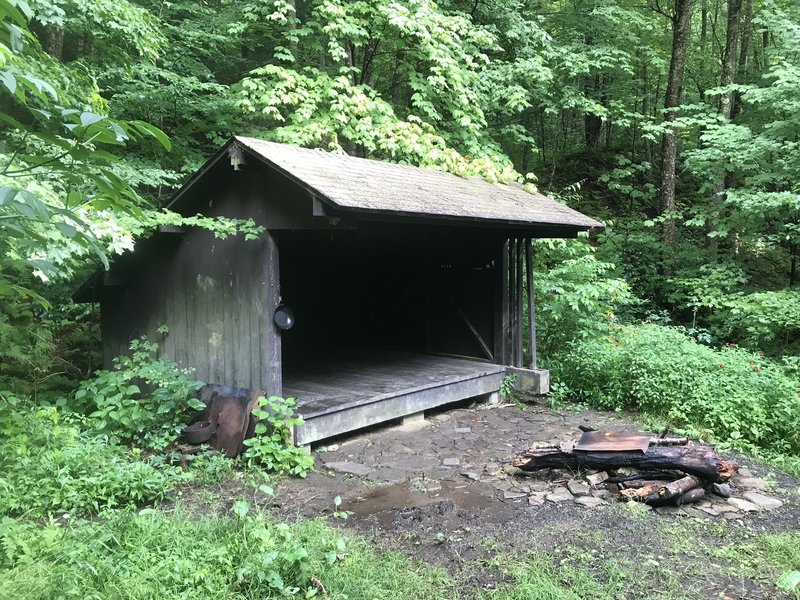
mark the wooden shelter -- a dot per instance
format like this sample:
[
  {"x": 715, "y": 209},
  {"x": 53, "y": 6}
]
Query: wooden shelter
[{"x": 408, "y": 286}]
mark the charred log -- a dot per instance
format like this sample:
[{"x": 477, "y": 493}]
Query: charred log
[{"x": 700, "y": 461}]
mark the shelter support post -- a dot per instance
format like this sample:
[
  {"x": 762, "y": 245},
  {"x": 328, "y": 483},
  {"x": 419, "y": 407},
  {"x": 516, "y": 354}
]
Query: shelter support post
[
  {"x": 517, "y": 285},
  {"x": 272, "y": 379},
  {"x": 519, "y": 322},
  {"x": 531, "y": 289}
]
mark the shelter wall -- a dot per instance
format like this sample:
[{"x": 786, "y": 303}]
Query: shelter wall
[{"x": 213, "y": 295}]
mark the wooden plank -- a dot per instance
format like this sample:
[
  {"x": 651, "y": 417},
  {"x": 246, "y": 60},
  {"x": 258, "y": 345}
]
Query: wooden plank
[
  {"x": 475, "y": 334},
  {"x": 512, "y": 287},
  {"x": 400, "y": 405},
  {"x": 256, "y": 312},
  {"x": 519, "y": 333},
  {"x": 500, "y": 303},
  {"x": 272, "y": 379},
  {"x": 531, "y": 302},
  {"x": 372, "y": 377}
]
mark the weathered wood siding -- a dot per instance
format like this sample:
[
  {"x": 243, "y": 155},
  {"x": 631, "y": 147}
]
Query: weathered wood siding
[{"x": 215, "y": 296}]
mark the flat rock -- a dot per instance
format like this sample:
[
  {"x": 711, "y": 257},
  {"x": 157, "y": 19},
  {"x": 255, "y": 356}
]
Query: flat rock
[
  {"x": 578, "y": 488},
  {"x": 601, "y": 493},
  {"x": 539, "y": 486},
  {"x": 742, "y": 504},
  {"x": 492, "y": 468},
  {"x": 744, "y": 472},
  {"x": 463, "y": 430},
  {"x": 668, "y": 510},
  {"x": 347, "y": 467},
  {"x": 536, "y": 499},
  {"x": 589, "y": 501},
  {"x": 471, "y": 475},
  {"x": 433, "y": 486},
  {"x": 694, "y": 512},
  {"x": 502, "y": 484},
  {"x": 559, "y": 495},
  {"x": 597, "y": 478},
  {"x": 510, "y": 495},
  {"x": 722, "y": 489},
  {"x": 752, "y": 483},
  {"x": 762, "y": 501},
  {"x": 388, "y": 475},
  {"x": 451, "y": 462},
  {"x": 709, "y": 510}
]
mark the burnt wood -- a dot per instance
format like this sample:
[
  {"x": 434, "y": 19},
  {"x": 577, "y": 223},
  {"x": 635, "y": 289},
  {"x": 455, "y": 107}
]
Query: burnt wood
[{"x": 701, "y": 461}]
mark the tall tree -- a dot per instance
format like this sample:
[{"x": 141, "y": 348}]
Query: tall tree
[
  {"x": 681, "y": 19},
  {"x": 726, "y": 102}
]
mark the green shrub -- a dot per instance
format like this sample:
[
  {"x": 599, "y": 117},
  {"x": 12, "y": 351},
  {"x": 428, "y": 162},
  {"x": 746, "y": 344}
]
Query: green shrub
[
  {"x": 271, "y": 447},
  {"x": 728, "y": 395},
  {"x": 47, "y": 466},
  {"x": 577, "y": 295},
  {"x": 116, "y": 404}
]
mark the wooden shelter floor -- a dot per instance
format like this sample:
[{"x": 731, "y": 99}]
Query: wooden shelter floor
[{"x": 386, "y": 383}]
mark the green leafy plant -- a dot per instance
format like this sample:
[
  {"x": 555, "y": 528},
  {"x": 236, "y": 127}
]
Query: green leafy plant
[
  {"x": 47, "y": 466},
  {"x": 144, "y": 399},
  {"x": 507, "y": 387},
  {"x": 272, "y": 446},
  {"x": 729, "y": 395}
]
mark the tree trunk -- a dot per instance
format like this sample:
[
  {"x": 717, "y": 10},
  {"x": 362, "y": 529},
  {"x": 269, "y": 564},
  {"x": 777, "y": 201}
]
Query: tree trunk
[
  {"x": 53, "y": 42},
  {"x": 681, "y": 29},
  {"x": 744, "y": 53},
  {"x": 725, "y": 107}
]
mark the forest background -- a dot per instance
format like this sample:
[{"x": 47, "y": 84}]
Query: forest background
[
  {"x": 678, "y": 124},
  {"x": 675, "y": 122}
]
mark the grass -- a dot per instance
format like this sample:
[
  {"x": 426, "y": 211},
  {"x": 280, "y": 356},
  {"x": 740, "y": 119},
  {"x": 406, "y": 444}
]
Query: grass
[{"x": 175, "y": 555}]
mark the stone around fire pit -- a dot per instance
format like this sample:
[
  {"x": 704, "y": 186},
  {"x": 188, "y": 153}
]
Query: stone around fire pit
[
  {"x": 762, "y": 501},
  {"x": 559, "y": 495},
  {"x": 743, "y": 505},
  {"x": 578, "y": 488},
  {"x": 589, "y": 501}
]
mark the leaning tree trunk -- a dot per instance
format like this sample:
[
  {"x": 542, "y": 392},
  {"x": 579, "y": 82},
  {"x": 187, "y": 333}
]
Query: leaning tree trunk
[{"x": 681, "y": 29}]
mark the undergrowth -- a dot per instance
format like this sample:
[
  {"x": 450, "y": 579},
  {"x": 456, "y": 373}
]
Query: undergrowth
[
  {"x": 732, "y": 396},
  {"x": 152, "y": 554},
  {"x": 48, "y": 467}
]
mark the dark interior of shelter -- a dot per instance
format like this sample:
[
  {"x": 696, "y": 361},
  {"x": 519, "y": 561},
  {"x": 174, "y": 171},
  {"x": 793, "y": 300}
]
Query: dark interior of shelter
[{"x": 420, "y": 290}]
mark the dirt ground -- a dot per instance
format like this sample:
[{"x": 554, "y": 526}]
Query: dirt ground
[{"x": 443, "y": 491}]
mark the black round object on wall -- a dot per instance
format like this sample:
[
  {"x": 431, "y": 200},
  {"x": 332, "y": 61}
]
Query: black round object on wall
[{"x": 283, "y": 317}]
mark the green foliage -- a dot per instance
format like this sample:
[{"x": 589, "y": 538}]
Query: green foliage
[
  {"x": 144, "y": 399},
  {"x": 272, "y": 446},
  {"x": 729, "y": 395},
  {"x": 45, "y": 354},
  {"x": 180, "y": 555},
  {"x": 577, "y": 295},
  {"x": 48, "y": 467},
  {"x": 152, "y": 554}
]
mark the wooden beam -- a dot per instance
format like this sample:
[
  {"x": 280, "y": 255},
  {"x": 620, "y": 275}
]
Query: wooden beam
[
  {"x": 518, "y": 358},
  {"x": 531, "y": 301},
  {"x": 501, "y": 303},
  {"x": 512, "y": 296},
  {"x": 475, "y": 334},
  {"x": 170, "y": 229},
  {"x": 272, "y": 379}
]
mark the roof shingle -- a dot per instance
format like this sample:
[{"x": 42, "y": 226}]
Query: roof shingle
[{"x": 360, "y": 184}]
